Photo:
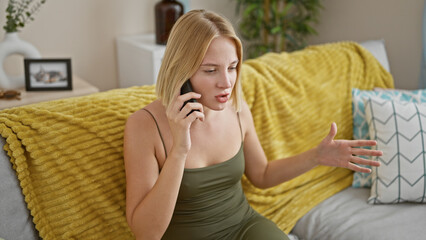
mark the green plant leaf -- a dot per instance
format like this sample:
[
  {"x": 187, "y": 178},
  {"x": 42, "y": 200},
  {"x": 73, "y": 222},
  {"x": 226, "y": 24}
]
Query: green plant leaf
[
  {"x": 287, "y": 8},
  {"x": 289, "y": 23},
  {"x": 276, "y": 30},
  {"x": 249, "y": 10},
  {"x": 19, "y": 12}
]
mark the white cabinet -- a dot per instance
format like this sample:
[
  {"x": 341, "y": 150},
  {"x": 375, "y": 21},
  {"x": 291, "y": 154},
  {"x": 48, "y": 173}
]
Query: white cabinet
[{"x": 139, "y": 60}]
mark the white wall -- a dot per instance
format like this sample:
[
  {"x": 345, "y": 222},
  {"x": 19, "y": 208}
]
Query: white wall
[
  {"x": 398, "y": 22},
  {"x": 85, "y": 30}
]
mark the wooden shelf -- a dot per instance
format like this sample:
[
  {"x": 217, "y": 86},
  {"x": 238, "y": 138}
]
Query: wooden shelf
[{"x": 80, "y": 88}]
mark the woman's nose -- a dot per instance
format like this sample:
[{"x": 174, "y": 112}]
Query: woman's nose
[{"x": 225, "y": 80}]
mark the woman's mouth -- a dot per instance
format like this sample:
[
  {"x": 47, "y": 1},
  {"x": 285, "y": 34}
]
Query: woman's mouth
[{"x": 222, "y": 98}]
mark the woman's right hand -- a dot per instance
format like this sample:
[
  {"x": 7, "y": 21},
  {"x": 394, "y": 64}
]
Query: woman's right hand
[{"x": 180, "y": 122}]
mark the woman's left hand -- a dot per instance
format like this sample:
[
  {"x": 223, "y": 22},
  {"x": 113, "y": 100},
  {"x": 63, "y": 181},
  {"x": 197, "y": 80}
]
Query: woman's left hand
[{"x": 344, "y": 153}]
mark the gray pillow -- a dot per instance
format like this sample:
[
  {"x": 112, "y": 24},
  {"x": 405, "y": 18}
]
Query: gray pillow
[{"x": 15, "y": 219}]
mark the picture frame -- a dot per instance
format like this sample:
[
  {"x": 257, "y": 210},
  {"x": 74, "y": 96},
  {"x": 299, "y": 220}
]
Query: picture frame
[{"x": 48, "y": 74}]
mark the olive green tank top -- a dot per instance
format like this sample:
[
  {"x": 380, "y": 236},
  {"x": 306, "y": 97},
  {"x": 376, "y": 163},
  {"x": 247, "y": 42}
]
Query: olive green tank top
[{"x": 211, "y": 203}]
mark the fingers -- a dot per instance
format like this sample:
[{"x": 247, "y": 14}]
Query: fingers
[
  {"x": 181, "y": 99},
  {"x": 357, "y": 168},
  {"x": 178, "y": 102},
  {"x": 194, "y": 109},
  {"x": 355, "y": 160},
  {"x": 332, "y": 133},
  {"x": 194, "y": 116},
  {"x": 188, "y": 107},
  {"x": 364, "y": 161},
  {"x": 341, "y": 149},
  {"x": 177, "y": 113},
  {"x": 366, "y": 152},
  {"x": 361, "y": 143}
]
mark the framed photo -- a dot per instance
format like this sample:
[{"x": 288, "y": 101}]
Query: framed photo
[{"x": 48, "y": 74}]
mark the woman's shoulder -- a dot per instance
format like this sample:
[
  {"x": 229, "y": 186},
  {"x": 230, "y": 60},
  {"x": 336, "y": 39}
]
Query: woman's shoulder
[
  {"x": 145, "y": 115},
  {"x": 154, "y": 108},
  {"x": 245, "y": 116},
  {"x": 245, "y": 113}
]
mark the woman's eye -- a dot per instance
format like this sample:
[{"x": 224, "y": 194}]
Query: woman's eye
[
  {"x": 232, "y": 68},
  {"x": 210, "y": 70}
]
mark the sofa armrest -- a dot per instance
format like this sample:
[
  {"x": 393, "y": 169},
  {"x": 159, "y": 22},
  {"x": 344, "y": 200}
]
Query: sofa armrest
[
  {"x": 15, "y": 219},
  {"x": 377, "y": 48}
]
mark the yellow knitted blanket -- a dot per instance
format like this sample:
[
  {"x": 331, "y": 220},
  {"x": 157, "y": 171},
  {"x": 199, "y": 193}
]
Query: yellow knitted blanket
[
  {"x": 294, "y": 98},
  {"x": 68, "y": 153},
  {"x": 68, "y": 157}
]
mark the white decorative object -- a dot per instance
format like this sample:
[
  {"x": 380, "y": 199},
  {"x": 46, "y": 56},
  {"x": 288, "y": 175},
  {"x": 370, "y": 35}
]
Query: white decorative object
[
  {"x": 139, "y": 60},
  {"x": 12, "y": 44},
  {"x": 360, "y": 125},
  {"x": 398, "y": 127}
]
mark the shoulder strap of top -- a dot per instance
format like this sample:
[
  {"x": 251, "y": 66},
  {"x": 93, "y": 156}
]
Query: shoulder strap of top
[
  {"x": 158, "y": 128},
  {"x": 241, "y": 129}
]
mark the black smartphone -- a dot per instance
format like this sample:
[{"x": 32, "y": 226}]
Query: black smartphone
[{"x": 186, "y": 88}]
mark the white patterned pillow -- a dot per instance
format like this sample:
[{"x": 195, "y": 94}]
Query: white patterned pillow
[
  {"x": 360, "y": 127},
  {"x": 398, "y": 127}
]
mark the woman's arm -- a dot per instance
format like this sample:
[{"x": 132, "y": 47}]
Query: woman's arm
[
  {"x": 330, "y": 152},
  {"x": 150, "y": 195}
]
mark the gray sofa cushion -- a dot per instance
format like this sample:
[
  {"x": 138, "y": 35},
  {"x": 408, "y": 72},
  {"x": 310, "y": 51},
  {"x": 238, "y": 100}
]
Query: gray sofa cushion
[
  {"x": 347, "y": 216},
  {"x": 15, "y": 219}
]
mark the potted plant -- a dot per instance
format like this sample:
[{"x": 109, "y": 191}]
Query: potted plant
[
  {"x": 18, "y": 13},
  {"x": 277, "y": 25}
]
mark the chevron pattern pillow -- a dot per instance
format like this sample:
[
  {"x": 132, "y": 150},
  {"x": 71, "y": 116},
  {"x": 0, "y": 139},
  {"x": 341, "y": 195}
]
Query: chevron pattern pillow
[
  {"x": 360, "y": 126},
  {"x": 399, "y": 129}
]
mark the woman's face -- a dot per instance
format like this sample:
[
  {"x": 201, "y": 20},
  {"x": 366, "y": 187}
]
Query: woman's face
[{"x": 216, "y": 76}]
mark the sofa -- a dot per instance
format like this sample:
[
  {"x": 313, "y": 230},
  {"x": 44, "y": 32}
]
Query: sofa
[{"x": 62, "y": 174}]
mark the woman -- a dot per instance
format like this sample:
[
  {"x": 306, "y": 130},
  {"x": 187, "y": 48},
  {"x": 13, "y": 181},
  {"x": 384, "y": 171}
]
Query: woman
[{"x": 183, "y": 167}]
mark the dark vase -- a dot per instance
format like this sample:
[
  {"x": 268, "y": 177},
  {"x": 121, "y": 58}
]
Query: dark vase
[{"x": 166, "y": 14}]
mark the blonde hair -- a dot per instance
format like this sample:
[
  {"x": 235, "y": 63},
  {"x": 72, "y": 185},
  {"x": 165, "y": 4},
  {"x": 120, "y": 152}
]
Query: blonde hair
[{"x": 188, "y": 42}]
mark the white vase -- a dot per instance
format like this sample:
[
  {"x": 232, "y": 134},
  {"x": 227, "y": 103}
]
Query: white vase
[{"x": 12, "y": 44}]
